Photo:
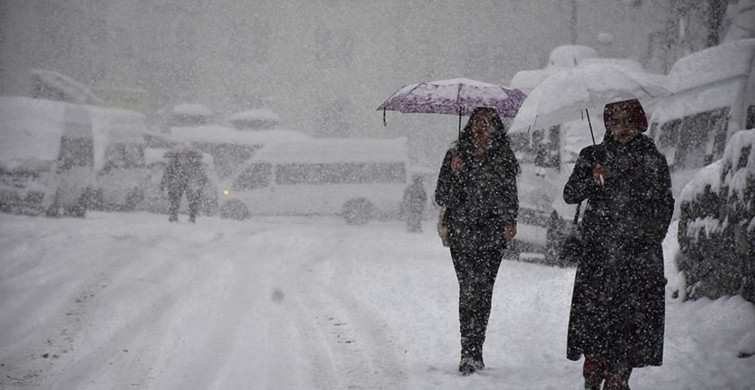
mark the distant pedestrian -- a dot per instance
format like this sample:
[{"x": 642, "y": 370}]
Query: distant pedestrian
[
  {"x": 415, "y": 200},
  {"x": 184, "y": 173},
  {"x": 617, "y": 309},
  {"x": 477, "y": 187}
]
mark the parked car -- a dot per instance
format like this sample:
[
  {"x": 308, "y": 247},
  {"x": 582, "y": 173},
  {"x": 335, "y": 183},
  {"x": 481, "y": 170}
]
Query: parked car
[{"x": 717, "y": 224}]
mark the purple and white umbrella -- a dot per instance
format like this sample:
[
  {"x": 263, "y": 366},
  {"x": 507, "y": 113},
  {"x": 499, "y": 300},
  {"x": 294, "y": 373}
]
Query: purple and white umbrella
[{"x": 456, "y": 97}]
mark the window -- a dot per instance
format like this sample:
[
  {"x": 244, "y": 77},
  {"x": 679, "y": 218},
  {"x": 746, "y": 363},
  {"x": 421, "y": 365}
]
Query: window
[
  {"x": 227, "y": 157},
  {"x": 693, "y": 139},
  {"x": 340, "y": 173},
  {"x": 255, "y": 176},
  {"x": 669, "y": 136},
  {"x": 124, "y": 156},
  {"x": 750, "y": 122},
  {"x": 76, "y": 152},
  {"x": 719, "y": 124}
]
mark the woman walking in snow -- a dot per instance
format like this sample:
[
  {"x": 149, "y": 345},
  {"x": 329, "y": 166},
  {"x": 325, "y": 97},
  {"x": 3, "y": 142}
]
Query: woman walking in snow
[
  {"x": 617, "y": 310},
  {"x": 477, "y": 186}
]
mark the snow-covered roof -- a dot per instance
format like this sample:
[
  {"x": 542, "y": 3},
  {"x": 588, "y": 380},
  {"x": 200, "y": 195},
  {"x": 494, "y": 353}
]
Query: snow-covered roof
[
  {"x": 570, "y": 55},
  {"x": 333, "y": 150},
  {"x": 527, "y": 80},
  {"x": 223, "y": 134},
  {"x": 717, "y": 63},
  {"x": 191, "y": 109},
  {"x": 259, "y": 114}
]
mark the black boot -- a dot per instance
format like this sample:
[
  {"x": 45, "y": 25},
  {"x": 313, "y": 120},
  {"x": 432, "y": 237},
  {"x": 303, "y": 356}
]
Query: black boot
[{"x": 467, "y": 366}]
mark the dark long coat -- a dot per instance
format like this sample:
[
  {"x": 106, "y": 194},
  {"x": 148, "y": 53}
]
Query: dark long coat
[
  {"x": 480, "y": 199},
  {"x": 617, "y": 310}
]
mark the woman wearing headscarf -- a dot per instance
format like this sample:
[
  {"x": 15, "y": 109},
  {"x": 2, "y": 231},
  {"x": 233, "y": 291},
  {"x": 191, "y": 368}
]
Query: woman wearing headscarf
[
  {"x": 477, "y": 186},
  {"x": 617, "y": 310}
]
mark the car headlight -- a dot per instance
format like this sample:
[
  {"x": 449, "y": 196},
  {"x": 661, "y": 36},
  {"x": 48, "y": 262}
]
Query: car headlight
[{"x": 226, "y": 192}]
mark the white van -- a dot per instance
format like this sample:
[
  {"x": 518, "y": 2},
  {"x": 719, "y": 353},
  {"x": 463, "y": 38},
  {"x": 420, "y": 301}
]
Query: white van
[
  {"x": 46, "y": 156},
  {"x": 231, "y": 147},
  {"x": 359, "y": 179},
  {"x": 119, "y": 159},
  {"x": 712, "y": 97}
]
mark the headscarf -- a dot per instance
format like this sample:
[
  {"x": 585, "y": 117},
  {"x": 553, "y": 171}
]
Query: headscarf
[{"x": 633, "y": 106}]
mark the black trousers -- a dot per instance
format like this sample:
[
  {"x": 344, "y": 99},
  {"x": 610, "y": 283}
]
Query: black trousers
[
  {"x": 476, "y": 270},
  {"x": 193, "y": 196}
]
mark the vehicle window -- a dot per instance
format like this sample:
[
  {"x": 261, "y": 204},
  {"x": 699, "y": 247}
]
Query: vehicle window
[
  {"x": 76, "y": 152},
  {"x": 124, "y": 156},
  {"x": 254, "y": 176},
  {"x": 227, "y": 157},
  {"x": 719, "y": 125},
  {"x": 750, "y": 122},
  {"x": 669, "y": 136},
  {"x": 693, "y": 140},
  {"x": 340, "y": 173}
]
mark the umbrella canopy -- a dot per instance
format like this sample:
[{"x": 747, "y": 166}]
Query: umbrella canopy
[
  {"x": 456, "y": 97},
  {"x": 568, "y": 94}
]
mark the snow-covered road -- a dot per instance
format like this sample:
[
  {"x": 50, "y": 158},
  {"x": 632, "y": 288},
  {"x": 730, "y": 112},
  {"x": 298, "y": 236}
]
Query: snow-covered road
[{"x": 121, "y": 301}]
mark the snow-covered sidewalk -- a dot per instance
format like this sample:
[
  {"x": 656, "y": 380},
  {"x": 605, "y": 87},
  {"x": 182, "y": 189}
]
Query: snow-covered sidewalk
[{"x": 118, "y": 301}]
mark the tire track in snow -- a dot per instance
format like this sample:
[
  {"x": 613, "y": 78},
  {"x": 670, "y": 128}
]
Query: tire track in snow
[{"x": 360, "y": 346}]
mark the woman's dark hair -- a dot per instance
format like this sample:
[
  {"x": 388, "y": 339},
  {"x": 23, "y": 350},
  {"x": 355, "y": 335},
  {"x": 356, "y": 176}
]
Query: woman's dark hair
[{"x": 500, "y": 148}]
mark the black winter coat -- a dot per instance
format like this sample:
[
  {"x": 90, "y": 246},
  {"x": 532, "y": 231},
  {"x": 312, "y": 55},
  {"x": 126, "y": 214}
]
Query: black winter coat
[
  {"x": 480, "y": 199},
  {"x": 617, "y": 310}
]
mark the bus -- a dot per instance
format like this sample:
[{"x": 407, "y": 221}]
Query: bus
[
  {"x": 712, "y": 97},
  {"x": 358, "y": 179}
]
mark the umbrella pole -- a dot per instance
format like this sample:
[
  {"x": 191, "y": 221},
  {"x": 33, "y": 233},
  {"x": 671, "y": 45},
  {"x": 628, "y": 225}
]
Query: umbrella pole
[
  {"x": 459, "y": 136},
  {"x": 592, "y": 134},
  {"x": 384, "y": 124}
]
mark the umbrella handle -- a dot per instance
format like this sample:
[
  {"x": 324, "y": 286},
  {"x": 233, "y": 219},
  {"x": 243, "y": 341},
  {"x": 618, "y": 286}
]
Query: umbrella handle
[
  {"x": 459, "y": 123},
  {"x": 592, "y": 134}
]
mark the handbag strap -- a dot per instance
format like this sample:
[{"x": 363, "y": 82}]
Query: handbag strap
[{"x": 576, "y": 215}]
